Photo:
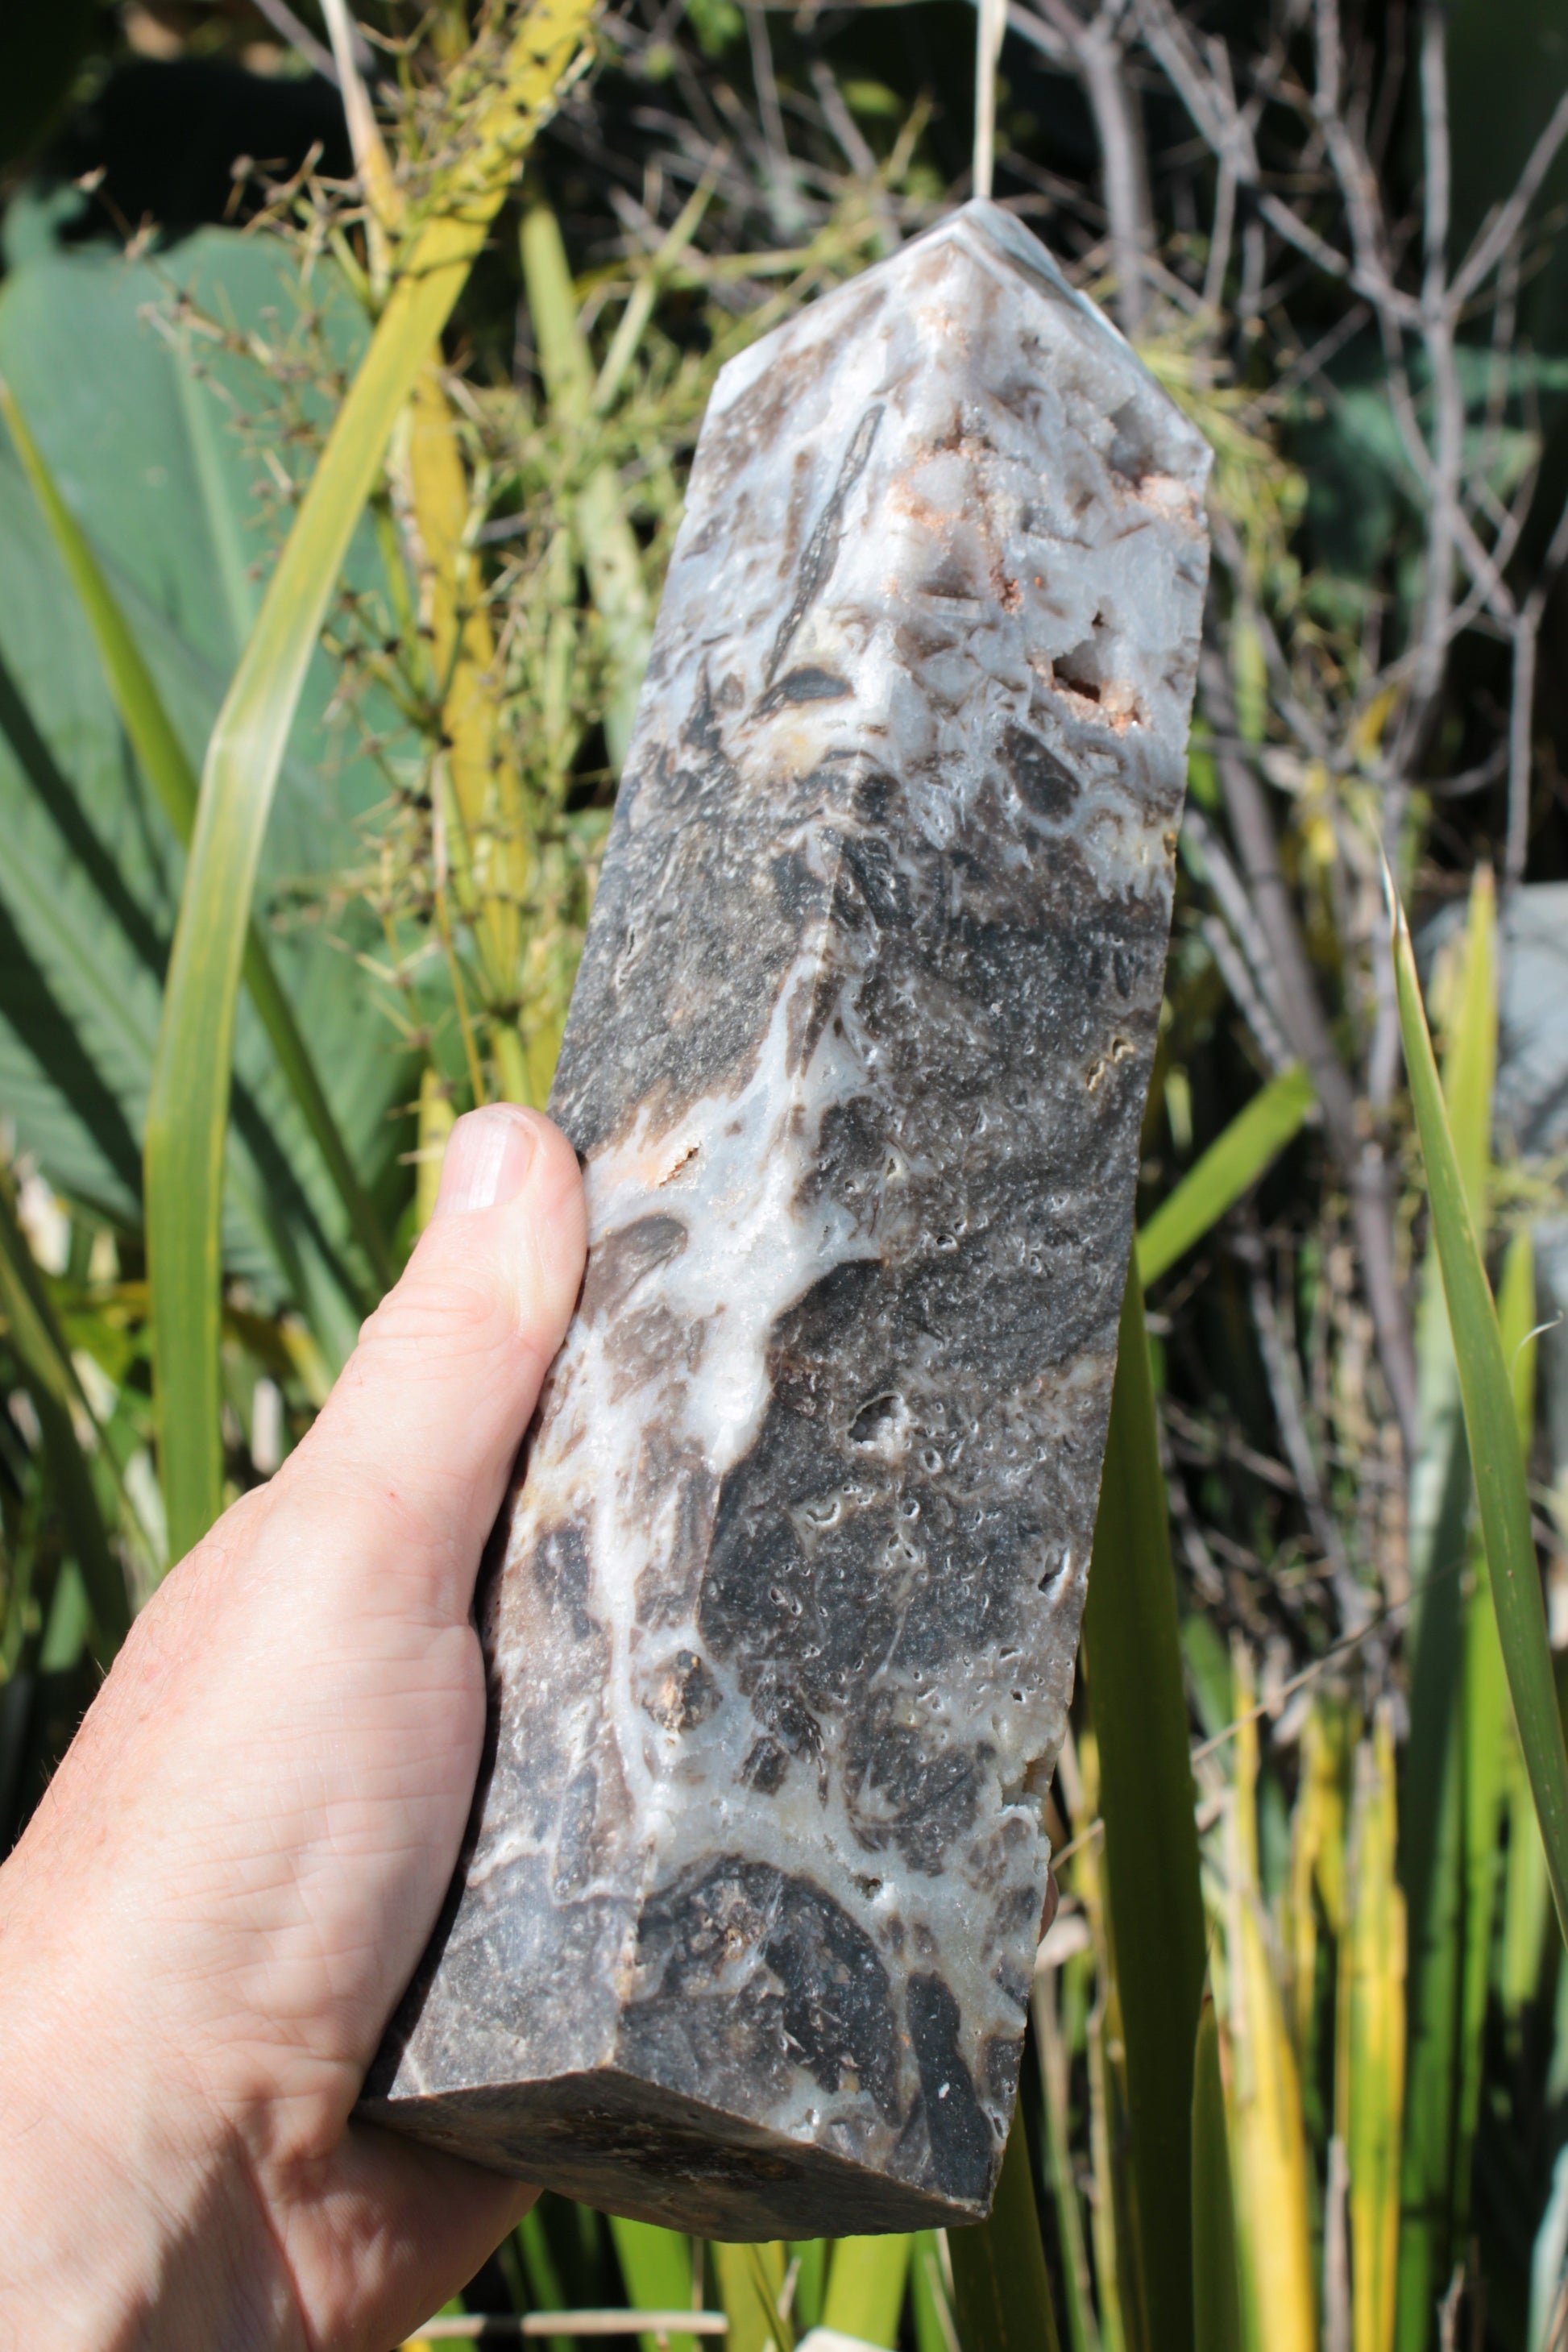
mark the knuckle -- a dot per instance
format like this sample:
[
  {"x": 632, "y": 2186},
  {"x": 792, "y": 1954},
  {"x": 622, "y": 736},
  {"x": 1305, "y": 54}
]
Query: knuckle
[{"x": 456, "y": 1315}]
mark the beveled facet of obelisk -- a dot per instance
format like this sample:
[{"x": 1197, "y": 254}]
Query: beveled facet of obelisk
[{"x": 782, "y": 1613}]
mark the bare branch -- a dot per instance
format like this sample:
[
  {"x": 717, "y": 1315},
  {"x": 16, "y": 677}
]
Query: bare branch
[
  {"x": 1041, "y": 35},
  {"x": 1375, "y": 285},
  {"x": 857, "y": 153},
  {"x": 1215, "y": 113},
  {"x": 1521, "y": 704},
  {"x": 1247, "y": 996},
  {"x": 300, "y": 38},
  {"x": 1360, "y": 1155},
  {"x": 1443, "y": 517},
  {"x": 1503, "y": 228},
  {"x": 1095, "y": 50},
  {"x": 1285, "y": 1389},
  {"x": 783, "y": 193}
]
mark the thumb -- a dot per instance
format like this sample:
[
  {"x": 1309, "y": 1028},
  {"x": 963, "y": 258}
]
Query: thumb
[{"x": 422, "y": 1429}]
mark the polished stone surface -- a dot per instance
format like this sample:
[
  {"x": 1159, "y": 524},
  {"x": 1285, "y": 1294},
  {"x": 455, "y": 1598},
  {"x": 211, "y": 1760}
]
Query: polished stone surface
[{"x": 781, "y": 1617}]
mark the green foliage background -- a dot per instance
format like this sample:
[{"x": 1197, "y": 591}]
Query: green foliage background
[{"x": 1298, "y": 2066}]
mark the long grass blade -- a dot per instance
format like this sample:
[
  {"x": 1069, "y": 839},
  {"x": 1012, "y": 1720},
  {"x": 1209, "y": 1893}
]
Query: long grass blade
[
  {"x": 866, "y": 2287},
  {"x": 542, "y": 2278},
  {"x": 187, "y": 1111},
  {"x": 487, "y": 815},
  {"x": 750, "y": 2284},
  {"x": 1216, "y": 2306},
  {"x": 604, "y": 534},
  {"x": 57, "y": 1398},
  {"x": 1234, "y": 1160},
  {"x": 1268, "y": 2131},
  {"x": 1002, "y": 2296},
  {"x": 1317, "y": 1859},
  {"x": 930, "y": 2297},
  {"x": 1133, "y": 1663},
  {"x": 163, "y": 763},
  {"x": 1050, "y": 2045},
  {"x": 1118, "y": 2288},
  {"x": 1497, "y": 1465},
  {"x": 1369, "y": 2070},
  {"x": 1441, "y": 1646},
  {"x": 1527, "y": 1894},
  {"x": 656, "y": 2267},
  {"x": 639, "y": 307}
]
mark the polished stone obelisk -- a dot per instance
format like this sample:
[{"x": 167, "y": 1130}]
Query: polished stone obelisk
[{"x": 782, "y": 1614}]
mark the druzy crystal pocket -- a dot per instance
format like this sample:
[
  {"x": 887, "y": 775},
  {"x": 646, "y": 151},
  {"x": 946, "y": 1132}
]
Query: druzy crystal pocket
[{"x": 782, "y": 1612}]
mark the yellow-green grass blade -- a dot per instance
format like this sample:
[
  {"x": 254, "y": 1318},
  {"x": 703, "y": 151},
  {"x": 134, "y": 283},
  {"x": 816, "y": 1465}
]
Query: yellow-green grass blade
[
  {"x": 1133, "y": 1664},
  {"x": 187, "y": 1110},
  {"x": 1369, "y": 2070},
  {"x": 1488, "y": 1736},
  {"x": 1491, "y": 1425},
  {"x": 1526, "y": 1906},
  {"x": 40, "y": 1344},
  {"x": 1269, "y": 2155},
  {"x": 1527, "y": 1894},
  {"x": 1234, "y": 1160},
  {"x": 810, "y": 2257},
  {"x": 1001, "y": 2293},
  {"x": 1051, "y": 2047},
  {"x": 1433, "y": 1998},
  {"x": 1433, "y": 1842},
  {"x": 1317, "y": 1861},
  {"x": 604, "y": 534},
  {"x": 645, "y": 294},
  {"x": 1216, "y": 2306},
  {"x": 655, "y": 2265},
  {"x": 750, "y": 2282},
  {"x": 163, "y": 763},
  {"x": 930, "y": 2306},
  {"x": 545, "y": 2292},
  {"x": 866, "y": 2288}
]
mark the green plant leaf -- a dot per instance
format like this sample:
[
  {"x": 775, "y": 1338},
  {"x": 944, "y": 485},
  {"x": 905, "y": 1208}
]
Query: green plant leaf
[
  {"x": 1055, "y": 2062},
  {"x": 656, "y": 2267},
  {"x": 931, "y": 2305},
  {"x": 85, "y": 1000},
  {"x": 87, "y": 898},
  {"x": 188, "y": 1110},
  {"x": 810, "y": 2256},
  {"x": 1001, "y": 2293},
  {"x": 1234, "y": 1162},
  {"x": 751, "y": 2283},
  {"x": 1133, "y": 1665},
  {"x": 1216, "y": 2304},
  {"x": 1369, "y": 2068},
  {"x": 604, "y": 533},
  {"x": 58, "y": 1398},
  {"x": 866, "y": 2287},
  {"x": 169, "y": 772},
  {"x": 1438, "y": 1804},
  {"x": 1490, "y": 1423}
]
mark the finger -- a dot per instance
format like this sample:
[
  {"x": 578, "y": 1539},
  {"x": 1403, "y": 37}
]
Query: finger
[
  {"x": 423, "y": 1427},
  {"x": 389, "y": 2233}
]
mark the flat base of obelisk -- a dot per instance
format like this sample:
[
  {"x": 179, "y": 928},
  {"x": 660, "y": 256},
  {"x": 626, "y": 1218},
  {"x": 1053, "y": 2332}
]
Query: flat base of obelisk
[{"x": 630, "y": 2148}]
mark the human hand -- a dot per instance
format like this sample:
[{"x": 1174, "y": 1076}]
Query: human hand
[{"x": 236, "y": 1868}]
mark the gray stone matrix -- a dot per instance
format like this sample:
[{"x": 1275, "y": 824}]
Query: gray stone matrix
[{"x": 781, "y": 1618}]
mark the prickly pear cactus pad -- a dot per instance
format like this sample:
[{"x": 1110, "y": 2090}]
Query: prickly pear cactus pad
[{"x": 781, "y": 1615}]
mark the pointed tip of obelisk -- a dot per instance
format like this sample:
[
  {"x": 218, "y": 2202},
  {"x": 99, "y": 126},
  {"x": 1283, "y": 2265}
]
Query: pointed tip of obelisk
[
  {"x": 986, "y": 228},
  {"x": 998, "y": 245}
]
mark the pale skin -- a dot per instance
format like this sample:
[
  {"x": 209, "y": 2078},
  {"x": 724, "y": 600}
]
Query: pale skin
[
  {"x": 214, "y": 1911},
  {"x": 229, "y": 1883}
]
